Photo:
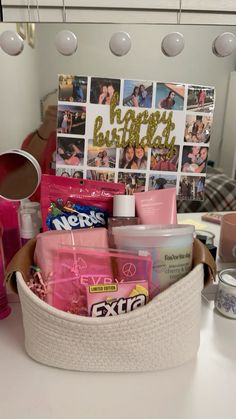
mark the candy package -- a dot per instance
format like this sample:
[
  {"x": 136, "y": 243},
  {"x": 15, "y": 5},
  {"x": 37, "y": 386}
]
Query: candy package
[
  {"x": 77, "y": 268},
  {"x": 76, "y": 203},
  {"x": 117, "y": 298}
]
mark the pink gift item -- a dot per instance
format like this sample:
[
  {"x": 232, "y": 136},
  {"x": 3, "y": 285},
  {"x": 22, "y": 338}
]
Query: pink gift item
[
  {"x": 76, "y": 203},
  {"x": 116, "y": 298},
  {"x": 157, "y": 207},
  {"x": 49, "y": 242},
  {"x": 77, "y": 268},
  {"x": 11, "y": 232}
]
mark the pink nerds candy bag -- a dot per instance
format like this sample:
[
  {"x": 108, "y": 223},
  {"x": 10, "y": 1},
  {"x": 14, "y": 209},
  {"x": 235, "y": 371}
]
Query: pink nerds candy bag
[
  {"x": 76, "y": 203},
  {"x": 116, "y": 298},
  {"x": 77, "y": 268}
]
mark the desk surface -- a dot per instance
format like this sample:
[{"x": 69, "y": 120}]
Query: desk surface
[{"x": 201, "y": 389}]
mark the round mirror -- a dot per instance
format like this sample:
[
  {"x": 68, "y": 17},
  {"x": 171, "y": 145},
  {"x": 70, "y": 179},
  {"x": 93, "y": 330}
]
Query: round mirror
[{"x": 20, "y": 175}]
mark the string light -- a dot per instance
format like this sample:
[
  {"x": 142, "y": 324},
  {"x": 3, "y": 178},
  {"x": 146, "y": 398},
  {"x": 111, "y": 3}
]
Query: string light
[
  {"x": 172, "y": 44},
  {"x": 120, "y": 43},
  {"x": 224, "y": 44},
  {"x": 11, "y": 43},
  {"x": 66, "y": 42}
]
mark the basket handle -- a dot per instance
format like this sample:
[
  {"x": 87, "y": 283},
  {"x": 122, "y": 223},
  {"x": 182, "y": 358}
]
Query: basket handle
[
  {"x": 24, "y": 257},
  {"x": 201, "y": 254},
  {"x": 20, "y": 263}
]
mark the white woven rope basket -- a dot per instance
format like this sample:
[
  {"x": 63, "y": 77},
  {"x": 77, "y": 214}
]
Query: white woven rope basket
[{"x": 163, "y": 334}]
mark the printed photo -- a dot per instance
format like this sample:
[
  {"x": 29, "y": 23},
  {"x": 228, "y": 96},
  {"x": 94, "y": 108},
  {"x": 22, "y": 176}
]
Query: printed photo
[
  {"x": 162, "y": 161},
  {"x": 191, "y": 187},
  {"x": 101, "y": 156},
  {"x": 71, "y": 119},
  {"x": 194, "y": 159},
  {"x": 201, "y": 99},
  {"x": 102, "y": 90},
  {"x": 162, "y": 182},
  {"x": 137, "y": 94},
  {"x": 69, "y": 172},
  {"x": 102, "y": 176},
  {"x": 198, "y": 128},
  {"x": 70, "y": 151},
  {"x": 170, "y": 96},
  {"x": 133, "y": 158},
  {"x": 134, "y": 182},
  {"x": 72, "y": 88}
]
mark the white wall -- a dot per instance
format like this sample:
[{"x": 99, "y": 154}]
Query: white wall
[
  {"x": 228, "y": 148},
  {"x": 20, "y": 75},
  {"x": 196, "y": 64},
  {"x": 19, "y": 92}
]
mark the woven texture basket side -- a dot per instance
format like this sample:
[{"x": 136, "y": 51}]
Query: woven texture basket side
[{"x": 163, "y": 334}]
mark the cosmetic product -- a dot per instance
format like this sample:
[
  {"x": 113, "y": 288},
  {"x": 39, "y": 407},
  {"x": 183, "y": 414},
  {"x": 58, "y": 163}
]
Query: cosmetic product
[
  {"x": 170, "y": 245},
  {"x": 123, "y": 214},
  {"x": 4, "y": 308},
  {"x": 225, "y": 301},
  {"x": 29, "y": 224},
  {"x": 11, "y": 233},
  {"x": 27, "y": 204},
  {"x": 157, "y": 206}
]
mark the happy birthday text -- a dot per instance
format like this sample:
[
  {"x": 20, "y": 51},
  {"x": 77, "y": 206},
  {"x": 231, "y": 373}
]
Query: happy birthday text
[{"x": 130, "y": 132}]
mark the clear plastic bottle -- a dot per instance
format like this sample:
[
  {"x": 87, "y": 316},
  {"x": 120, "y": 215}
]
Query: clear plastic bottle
[
  {"x": 4, "y": 307},
  {"x": 123, "y": 214}
]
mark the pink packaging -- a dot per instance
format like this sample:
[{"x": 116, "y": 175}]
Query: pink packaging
[
  {"x": 48, "y": 243},
  {"x": 116, "y": 298},
  {"x": 77, "y": 268},
  {"x": 76, "y": 203},
  {"x": 157, "y": 207},
  {"x": 11, "y": 232}
]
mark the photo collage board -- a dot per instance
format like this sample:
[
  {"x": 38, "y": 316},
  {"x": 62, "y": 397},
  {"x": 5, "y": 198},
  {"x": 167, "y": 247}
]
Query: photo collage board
[{"x": 145, "y": 134}]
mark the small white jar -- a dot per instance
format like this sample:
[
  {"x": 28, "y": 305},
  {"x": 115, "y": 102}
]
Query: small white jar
[{"x": 225, "y": 300}]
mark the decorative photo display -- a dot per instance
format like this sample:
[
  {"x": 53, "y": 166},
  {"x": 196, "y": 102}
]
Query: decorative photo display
[{"x": 145, "y": 134}]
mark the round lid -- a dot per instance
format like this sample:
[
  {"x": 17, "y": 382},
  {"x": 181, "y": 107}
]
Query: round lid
[
  {"x": 153, "y": 230},
  {"x": 124, "y": 206},
  {"x": 20, "y": 175},
  {"x": 228, "y": 277}
]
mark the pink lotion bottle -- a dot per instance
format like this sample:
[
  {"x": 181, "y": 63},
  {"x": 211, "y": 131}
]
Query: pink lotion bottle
[
  {"x": 11, "y": 233},
  {"x": 123, "y": 214}
]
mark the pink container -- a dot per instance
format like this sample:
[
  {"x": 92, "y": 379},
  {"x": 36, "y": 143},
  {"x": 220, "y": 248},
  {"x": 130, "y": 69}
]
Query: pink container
[
  {"x": 11, "y": 234},
  {"x": 4, "y": 307},
  {"x": 227, "y": 245}
]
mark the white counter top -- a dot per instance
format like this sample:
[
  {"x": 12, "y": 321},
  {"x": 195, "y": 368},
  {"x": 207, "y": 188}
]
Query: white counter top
[{"x": 201, "y": 389}]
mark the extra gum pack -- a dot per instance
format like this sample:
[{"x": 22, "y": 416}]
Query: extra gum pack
[{"x": 116, "y": 298}]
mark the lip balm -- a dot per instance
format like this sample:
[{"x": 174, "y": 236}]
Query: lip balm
[{"x": 225, "y": 301}]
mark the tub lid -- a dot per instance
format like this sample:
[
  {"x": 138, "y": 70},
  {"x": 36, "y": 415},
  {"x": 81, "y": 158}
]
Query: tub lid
[{"x": 153, "y": 230}]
